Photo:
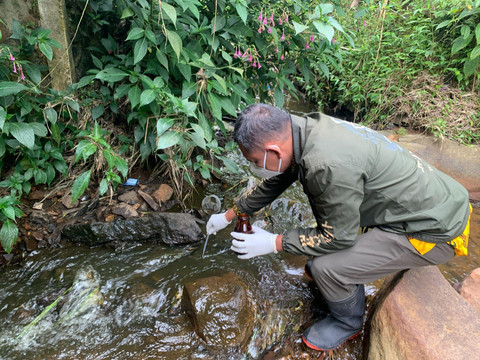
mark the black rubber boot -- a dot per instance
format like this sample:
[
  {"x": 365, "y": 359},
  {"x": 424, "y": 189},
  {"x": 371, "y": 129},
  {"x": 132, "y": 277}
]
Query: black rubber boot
[
  {"x": 344, "y": 322},
  {"x": 308, "y": 269}
]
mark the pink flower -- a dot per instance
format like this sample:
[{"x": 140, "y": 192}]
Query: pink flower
[
  {"x": 250, "y": 58},
  {"x": 307, "y": 46},
  {"x": 21, "y": 72},
  {"x": 259, "y": 30},
  {"x": 276, "y": 50},
  {"x": 283, "y": 35},
  {"x": 14, "y": 68},
  {"x": 245, "y": 53},
  {"x": 254, "y": 64},
  {"x": 280, "y": 22},
  {"x": 282, "y": 57},
  {"x": 364, "y": 22},
  {"x": 286, "y": 18},
  {"x": 11, "y": 57},
  {"x": 259, "y": 65},
  {"x": 333, "y": 41},
  {"x": 260, "y": 17},
  {"x": 265, "y": 21},
  {"x": 269, "y": 30},
  {"x": 311, "y": 37}
]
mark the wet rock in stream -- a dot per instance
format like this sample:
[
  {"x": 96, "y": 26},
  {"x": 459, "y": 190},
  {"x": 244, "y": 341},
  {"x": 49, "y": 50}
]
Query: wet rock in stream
[
  {"x": 167, "y": 228},
  {"x": 220, "y": 309}
]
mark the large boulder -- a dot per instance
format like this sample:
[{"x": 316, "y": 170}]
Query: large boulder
[
  {"x": 419, "y": 315},
  {"x": 469, "y": 289},
  {"x": 459, "y": 161},
  {"x": 221, "y": 310},
  {"x": 167, "y": 228}
]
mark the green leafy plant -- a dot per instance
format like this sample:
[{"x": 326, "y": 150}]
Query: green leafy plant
[
  {"x": 106, "y": 162},
  {"x": 464, "y": 22},
  {"x": 179, "y": 68},
  {"x": 9, "y": 212},
  {"x": 31, "y": 150}
]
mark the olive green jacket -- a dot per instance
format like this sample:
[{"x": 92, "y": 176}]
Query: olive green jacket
[{"x": 355, "y": 177}]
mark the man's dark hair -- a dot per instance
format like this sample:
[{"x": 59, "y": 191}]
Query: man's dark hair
[{"x": 259, "y": 123}]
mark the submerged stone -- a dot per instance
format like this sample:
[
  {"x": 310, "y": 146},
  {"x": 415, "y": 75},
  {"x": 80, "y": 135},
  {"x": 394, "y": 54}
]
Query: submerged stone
[
  {"x": 167, "y": 228},
  {"x": 220, "y": 309}
]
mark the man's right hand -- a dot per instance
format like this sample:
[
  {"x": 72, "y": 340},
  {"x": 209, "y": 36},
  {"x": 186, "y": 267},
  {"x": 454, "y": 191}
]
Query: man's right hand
[{"x": 217, "y": 222}]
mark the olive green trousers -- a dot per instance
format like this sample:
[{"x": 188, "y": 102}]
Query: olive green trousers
[{"x": 376, "y": 253}]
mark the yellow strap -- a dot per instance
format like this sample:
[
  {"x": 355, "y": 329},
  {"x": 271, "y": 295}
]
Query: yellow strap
[{"x": 460, "y": 243}]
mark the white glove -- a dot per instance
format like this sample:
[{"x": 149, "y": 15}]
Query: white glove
[
  {"x": 261, "y": 242},
  {"x": 217, "y": 222}
]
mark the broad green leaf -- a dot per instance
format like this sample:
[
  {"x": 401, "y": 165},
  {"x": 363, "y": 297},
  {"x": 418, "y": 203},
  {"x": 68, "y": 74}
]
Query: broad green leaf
[
  {"x": 10, "y": 88},
  {"x": 186, "y": 70},
  {"x": 134, "y": 96},
  {"x": 135, "y": 33},
  {"x": 98, "y": 111},
  {"x": 175, "y": 41},
  {"x": 127, "y": 12},
  {"x": 121, "y": 166},
  {"x": 111, "y": 75},
  {"x": 198, "y": 136},
  {"x": 477, "y": 33},
  {"x": 215, "y": 106},
  {"x": 222, "y": 83},
  {"x": 140, "y": 50},
  {"x": 162, "y": 58},
  {"x": 228, "y": 106},
  {"x": 230, "y": 165},
  {"x": 206, "y": 126},
  {"x": 242, "y": 12},
  {"x": 360, "y": 12},
  {"x": 279, "y": 97},
  {"x": 326, "y": 8},
  {"x": 3, "y": 116},
  {"x": 8, "y": 235},
  {"x": 2, "y": 147},
  {"x": 82, "y": 148},
  {"x": 470, "y": 66},
  {"x": 167, "y": 139},
  {"x": 46, "y": 50},
  {"x": 147, "y": 97},
  {"x": 121, "y": 91},
  {"x": 80, "y": 185},
  {"x": 40, "y": 176},
  {"x": 206, "y": 60},
  {"x": 39, "y": 129},
  {"x": 475, "y": 52},
  {"x": 9, "y": 212},
  {"x": 443, "y": 24},
  {"x": 227, "y": 57},
  {"x": 335, "y": 24},
  {"x": 151, "y": 36},
  {"x": 170, "y": 11},
  {"x": 51, "y": 115},
  {"x": 103, "y": 187},
  {"x": 23, "y": 133},
  {"x": 299, "y": 28},
  {"x": 460, "y": 42},
  {"x": 325, "y": 29}
]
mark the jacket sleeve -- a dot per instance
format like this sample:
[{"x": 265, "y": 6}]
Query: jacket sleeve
[
  {"x": 336, "y": 193},
  {"x": 267, "y": 191}
]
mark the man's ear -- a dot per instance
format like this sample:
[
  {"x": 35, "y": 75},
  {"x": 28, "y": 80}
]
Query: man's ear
[{"x": 275, "y": 148}]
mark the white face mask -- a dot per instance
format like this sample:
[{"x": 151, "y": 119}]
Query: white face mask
[{"x": 263, "y": 172}]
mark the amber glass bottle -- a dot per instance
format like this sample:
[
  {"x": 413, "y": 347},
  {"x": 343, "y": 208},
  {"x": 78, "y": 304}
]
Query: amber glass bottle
[{"x": 243, "y": 224}]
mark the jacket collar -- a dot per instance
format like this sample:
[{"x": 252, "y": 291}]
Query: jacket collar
[{"x": 298, "y": 133}]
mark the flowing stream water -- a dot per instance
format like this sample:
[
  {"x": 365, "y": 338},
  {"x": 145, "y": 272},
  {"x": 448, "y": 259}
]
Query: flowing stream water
[{"x": 125, "y": 303}]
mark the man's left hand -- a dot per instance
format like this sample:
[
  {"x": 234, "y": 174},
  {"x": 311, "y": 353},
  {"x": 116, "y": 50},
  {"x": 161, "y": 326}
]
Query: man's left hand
[{"x": 261, "y": 242}]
